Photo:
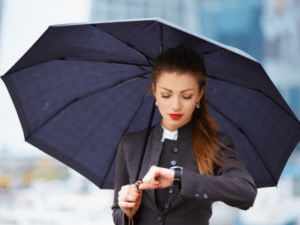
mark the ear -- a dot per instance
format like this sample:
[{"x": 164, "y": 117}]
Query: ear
[
  {"x": 153, "y": 89},
  {"x": 201, "y": 94}
]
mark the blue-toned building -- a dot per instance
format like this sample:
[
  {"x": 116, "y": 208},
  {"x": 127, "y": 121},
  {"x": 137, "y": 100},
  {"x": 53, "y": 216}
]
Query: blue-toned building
[
  {"x": 1, "y": 10},
  {"x": 235, "y": 23},
  {"x": 182, "y": 13}
]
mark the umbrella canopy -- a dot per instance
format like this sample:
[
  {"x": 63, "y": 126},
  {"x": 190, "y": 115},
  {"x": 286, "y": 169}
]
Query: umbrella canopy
[{"x": 81, "y": 87}]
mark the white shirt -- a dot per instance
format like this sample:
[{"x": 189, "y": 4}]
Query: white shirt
[{"x": 169, "y": 134}]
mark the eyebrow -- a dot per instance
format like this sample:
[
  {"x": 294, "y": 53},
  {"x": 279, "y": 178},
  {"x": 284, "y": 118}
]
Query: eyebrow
[{"x": 180, "y": 92}]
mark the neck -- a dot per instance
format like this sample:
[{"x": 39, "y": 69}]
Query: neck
[{"x": 172, "y": 128}]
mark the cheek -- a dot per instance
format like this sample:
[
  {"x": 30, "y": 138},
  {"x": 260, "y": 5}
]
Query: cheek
[
  {"x": 162, "y": 104},
  {"x": 189, "y": 107}
]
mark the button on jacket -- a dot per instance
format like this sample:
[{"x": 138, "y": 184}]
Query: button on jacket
[{"x": 191, "y": 204}]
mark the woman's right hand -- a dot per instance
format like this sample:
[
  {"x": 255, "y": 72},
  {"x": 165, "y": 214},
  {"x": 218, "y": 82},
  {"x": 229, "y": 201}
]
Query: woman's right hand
[{"x": 129, "y": 199}]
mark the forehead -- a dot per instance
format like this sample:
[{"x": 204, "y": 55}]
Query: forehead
[{"x": 176, "y": 81}]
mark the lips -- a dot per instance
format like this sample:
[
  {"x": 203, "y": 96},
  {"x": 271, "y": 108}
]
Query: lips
[{"x": 175, "y": 116}]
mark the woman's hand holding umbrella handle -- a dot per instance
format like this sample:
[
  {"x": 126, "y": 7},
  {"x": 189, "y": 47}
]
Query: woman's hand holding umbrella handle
[{"x": 129, "y": 199}]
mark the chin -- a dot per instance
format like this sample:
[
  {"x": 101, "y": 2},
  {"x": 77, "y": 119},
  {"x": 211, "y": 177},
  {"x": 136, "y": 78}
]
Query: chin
[{"x": 181, "y": 120}]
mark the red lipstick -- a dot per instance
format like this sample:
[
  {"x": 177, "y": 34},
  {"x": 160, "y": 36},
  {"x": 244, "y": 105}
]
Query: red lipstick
[{"x": 175, "y": 116}]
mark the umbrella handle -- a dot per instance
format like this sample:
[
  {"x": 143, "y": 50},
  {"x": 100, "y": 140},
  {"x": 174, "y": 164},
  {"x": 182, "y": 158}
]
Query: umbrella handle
[
  {"x": 134, "y": 185},
  {"x": 130, "y": 222}
]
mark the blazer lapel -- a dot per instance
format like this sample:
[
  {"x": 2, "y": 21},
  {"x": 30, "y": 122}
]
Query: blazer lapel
[{"x": 152, "y": 154}]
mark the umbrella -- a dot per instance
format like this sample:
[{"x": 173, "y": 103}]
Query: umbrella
[{"x": 81, "y": 87}]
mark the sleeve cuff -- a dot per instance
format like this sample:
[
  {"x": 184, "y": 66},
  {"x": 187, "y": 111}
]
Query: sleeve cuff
[{"x": 192, "y": 189}]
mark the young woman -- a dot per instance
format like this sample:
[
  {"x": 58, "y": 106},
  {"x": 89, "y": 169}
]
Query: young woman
[{"x": 188, "y": 163}]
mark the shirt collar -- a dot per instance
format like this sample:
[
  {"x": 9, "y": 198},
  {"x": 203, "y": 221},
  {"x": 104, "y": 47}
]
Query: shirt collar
[
  {"x": 172, "y": 135},
  {"x": 183, "y": 132}
]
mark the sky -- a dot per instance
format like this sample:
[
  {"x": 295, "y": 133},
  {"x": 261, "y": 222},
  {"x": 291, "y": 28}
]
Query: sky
[{"x": 23, "y": 22}]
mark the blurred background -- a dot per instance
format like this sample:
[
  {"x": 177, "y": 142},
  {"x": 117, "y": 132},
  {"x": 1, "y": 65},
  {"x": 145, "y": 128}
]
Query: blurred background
[{"x": 37, "y": 189}]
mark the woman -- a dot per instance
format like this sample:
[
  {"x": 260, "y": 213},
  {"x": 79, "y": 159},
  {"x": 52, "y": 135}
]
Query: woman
[{"x": 187, "y": 136}]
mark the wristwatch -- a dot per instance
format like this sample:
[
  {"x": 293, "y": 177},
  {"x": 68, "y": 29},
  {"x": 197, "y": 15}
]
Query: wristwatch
[{"x": 177, "y": 175}]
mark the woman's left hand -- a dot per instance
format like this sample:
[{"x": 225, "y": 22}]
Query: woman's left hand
[{"x": 157, "y": 177}]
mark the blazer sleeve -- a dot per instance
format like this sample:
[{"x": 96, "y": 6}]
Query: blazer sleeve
[
  {"x": 231, "y": 184},
  {"x": 121, "y": 179}
]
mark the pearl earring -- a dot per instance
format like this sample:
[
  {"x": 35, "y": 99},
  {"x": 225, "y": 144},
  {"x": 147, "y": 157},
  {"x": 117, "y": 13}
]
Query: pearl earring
[
  {"x": 156, "y": 103},
  {"x": 198, "y": 105}
]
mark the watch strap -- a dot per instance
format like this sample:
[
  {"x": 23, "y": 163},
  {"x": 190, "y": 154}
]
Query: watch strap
[{"x": 177, "y": 176}]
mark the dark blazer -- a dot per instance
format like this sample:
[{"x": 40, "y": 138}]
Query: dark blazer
[{"x": 191, "y": 204}]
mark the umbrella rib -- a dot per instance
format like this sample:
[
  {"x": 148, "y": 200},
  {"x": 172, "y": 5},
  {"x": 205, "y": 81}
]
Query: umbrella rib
[
  {"x": 205, "y": 53},
  {"x": 231, "y": 82},
  {"x": 103, "y": 61},
  {"x": 95, "y": 91},
  {"x": 161, "y": 37},
  {"x": 242, "y": 131},
  {"x": 234, "y": 83},
  {"x": 142, "y": 68},
  {"x": 254, "y": 89},
  {"x": 79, "y": 59},
  {"x": 109, "y": 33}
]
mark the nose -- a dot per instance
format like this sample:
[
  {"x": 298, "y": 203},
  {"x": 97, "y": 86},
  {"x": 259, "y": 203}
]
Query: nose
[{"x": 176, "y": 104}]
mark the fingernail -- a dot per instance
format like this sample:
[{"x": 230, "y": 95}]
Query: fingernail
[
  {"x": 136, "y": 205},
  {"x": 139, "y": 192}
]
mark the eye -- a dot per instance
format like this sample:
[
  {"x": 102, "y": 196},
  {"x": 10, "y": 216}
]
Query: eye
[
  {"x": 183, "y": 97},
  {"x": 165, "y": 96}
]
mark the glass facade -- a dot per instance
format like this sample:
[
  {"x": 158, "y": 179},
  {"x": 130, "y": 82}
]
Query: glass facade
[{"x": 235, "y": 23}]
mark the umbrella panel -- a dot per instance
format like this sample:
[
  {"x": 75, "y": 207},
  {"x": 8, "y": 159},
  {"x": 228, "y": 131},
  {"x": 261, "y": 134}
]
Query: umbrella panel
[
  {"x": 260, "y": 128},
  {"x": 83, "y": 134},
  {"x": 50, "y": 87}
]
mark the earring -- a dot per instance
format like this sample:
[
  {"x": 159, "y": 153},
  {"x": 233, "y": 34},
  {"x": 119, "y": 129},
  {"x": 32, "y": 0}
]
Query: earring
[
  {"x": 198, "y": 105},
  {"x": 156, "y": 103}
]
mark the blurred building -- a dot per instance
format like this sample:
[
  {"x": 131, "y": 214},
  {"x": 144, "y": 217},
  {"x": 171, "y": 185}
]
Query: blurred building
[
  {"x": 1, "y": 13},
  {"x": 23, "y": 170},
  {"x": 182, "y": 13},
  {"x": 235, "y": 23},
  {"x": 1, "y": 9},
  {"x": 281, "y": 31},
  {"x": 281, "y": 23}
]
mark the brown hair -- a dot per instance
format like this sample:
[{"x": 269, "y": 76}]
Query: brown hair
[{"x": 204, "y": 135}]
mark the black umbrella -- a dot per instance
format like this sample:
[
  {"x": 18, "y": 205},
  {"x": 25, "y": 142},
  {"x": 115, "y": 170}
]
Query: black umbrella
[{"x": 81, "y": 87}]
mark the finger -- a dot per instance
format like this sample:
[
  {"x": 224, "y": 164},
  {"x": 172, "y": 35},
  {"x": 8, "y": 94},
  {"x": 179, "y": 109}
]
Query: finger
[
  {"x": 136, "y": 189},
  {"x": 143, "y": 186},
  {"x": 138, "y": 183},
  {"x": 125, "y": 197},
  {"x": 125, "y": 194},
  {"x": 149, "y": 185},
  {"x": 133, "y": 198},
  {"x": 155, "y": 185},
  {"x": 127, "y": 205}
]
